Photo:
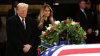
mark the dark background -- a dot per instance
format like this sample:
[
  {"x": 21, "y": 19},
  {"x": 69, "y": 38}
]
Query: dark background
[
  {"x": 41, "y": 1},
  {"x": 66, "y": 8}
]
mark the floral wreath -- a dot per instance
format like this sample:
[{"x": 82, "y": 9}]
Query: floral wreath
[{"x": 70, "y": 28}]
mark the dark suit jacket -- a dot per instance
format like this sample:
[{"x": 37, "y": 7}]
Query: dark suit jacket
[
  {"x": 92, "y": 17},
  {"x": 17, "y": 37},
  {"x": 80, "y": 17}
]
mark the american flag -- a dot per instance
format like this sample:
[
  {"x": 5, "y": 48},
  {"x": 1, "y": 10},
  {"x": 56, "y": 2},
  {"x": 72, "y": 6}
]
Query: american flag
[{"x": 73, "y": 50}]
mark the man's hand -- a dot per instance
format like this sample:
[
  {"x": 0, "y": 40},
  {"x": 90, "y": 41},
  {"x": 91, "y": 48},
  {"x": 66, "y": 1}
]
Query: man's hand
[{"x": 26, "y": 48}]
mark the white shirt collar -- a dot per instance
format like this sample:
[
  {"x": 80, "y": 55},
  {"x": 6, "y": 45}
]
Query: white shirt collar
[
  {"x": 21, "y": 18},
  {"x": 82, "y": 10}
]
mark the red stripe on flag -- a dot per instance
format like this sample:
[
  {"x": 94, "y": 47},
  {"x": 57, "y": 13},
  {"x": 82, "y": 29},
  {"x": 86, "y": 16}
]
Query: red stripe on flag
[{"x": 79, "y": 51}]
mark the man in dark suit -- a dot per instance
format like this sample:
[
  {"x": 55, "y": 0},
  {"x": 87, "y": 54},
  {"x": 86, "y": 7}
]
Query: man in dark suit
[
  {"x": 13, "y": 11},
  {"x": 21, "y": 37},
  {"x": 92, "y": 19},
  {"x": 83, "y": 17}
]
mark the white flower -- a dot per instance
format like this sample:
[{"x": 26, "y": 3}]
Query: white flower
[
  {"x": 57, "y": 22},
  {"x": 62, "y": 21},
  {"x": 50, "y": 25},
  {"x": 73, "y": 23},
  {"x": 48, "y": 28},
  {"x": 43, "y": 32}
]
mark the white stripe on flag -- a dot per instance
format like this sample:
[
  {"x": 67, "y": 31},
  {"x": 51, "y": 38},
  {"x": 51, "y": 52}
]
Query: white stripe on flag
[
  {"x": 88, "y": 54},
  {"x": 78, "y": 47}
]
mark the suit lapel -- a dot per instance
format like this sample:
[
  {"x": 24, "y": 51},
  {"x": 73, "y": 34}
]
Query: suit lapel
[
  {"x": 19, "y": 23},
  {"x": 27, "y": 23},
  {"x": 84, "y": 14}
]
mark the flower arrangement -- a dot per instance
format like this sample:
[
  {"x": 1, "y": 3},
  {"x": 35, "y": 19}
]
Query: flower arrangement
[{"x": 70, "y": 28}]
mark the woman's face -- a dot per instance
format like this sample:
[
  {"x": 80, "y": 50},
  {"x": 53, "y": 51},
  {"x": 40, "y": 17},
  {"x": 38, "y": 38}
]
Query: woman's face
[{"x": 46, "y": 12}]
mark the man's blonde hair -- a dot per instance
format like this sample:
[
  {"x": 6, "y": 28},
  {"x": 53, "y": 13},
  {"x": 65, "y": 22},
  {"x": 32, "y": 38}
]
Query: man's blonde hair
[{"x": 22, "y": 5}]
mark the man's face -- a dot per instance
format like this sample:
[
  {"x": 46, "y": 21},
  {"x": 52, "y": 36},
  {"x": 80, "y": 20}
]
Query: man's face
[
  {"x": 82, "y": 4},
  {"x": 22, "y": 11}
]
